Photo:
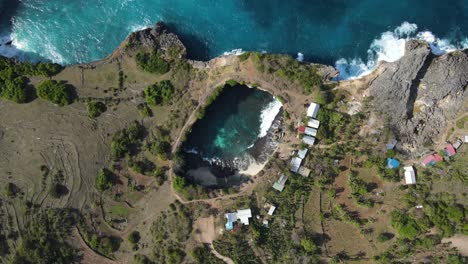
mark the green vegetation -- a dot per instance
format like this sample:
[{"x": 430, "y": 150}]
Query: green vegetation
[
  {"x": 152, "y": 62},
  {"x": 160, "y": 143},
  {"x": 209, "y": 100},
  {"x": 56, "y": 92},
  {"x": 127, "y": 141},
  {"x": 134, "y": 237},
  {"x": 202, "y": 255},
  {"x": 406, "y": 226},
  {"x": 359, "y": 189},
  {"x": 461, "y": 122},
  {"x": 14, "y": 89},
  {"x": 95, "y": 109},
  {"x": 159, "y": 93},
  {"x": 169, "y": 232},
  {"x": 244, "y": 56},
  {"x": 384, "y": 237},
  {"x": 119, "y": 209},
  {"x": 105, "y": 245},
  {"x": 289, "y": 68},
  {"x": 145, "y": 110},
  {"x": 236, "y": 246},
  {"x": 105, "y": 180},
  {"x": 44, "y": 238},
  {"x": 13, "y": 81}
]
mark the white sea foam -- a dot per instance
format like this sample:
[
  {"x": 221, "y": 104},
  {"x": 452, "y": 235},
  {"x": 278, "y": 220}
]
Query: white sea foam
[
  {"x": 236, "y": 52},
  {"x": 300, "y": 57},
  {"x": 8, "y": 51},
  {"x": 267, "y": 116},
  {"x": 390, "y": 46}
]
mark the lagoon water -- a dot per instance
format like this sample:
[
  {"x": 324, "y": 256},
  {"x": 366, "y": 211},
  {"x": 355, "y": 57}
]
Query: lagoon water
[
  {"x": 232, "y": 124},
  {"x": 352, "y": 34}
]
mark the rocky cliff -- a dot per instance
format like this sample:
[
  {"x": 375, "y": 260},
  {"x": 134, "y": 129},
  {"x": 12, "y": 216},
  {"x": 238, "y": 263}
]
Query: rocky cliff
[{"x": 420, "y": 92}]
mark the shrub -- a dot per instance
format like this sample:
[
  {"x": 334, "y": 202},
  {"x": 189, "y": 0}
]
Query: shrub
[
  {"x": 152, "y": 62},
  {"x": 14, "y": 89},
  {"x": 105, "y": 180},
  {"x": 244, "y": 56},
  {"x": 11, "y": 190},
  {"x": 145, "y": 110},
  {"x": 160, "y": 93},
  {"x": 126, "y": 140},
  {"x": 384, "y": 237},
  {"x": 134, "y": 237},
  {"x": 56, "y": 92},
  {"x": 406, "y": 226},
  {"x": 95, "y": 109}
]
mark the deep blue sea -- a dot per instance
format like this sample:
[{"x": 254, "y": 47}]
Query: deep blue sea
[{"x": 74, "y": 31}]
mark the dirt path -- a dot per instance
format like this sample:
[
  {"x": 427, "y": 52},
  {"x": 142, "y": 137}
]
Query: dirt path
[
  {"x": 89, "y": 256},
  {"x": 221, "y": 257}
]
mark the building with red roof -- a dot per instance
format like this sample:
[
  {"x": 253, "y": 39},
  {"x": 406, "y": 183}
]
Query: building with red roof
[
  {"x": 449, "y": 150},
  {"x": 301, "y": 129},
  {"x": 431, "y": 159}
]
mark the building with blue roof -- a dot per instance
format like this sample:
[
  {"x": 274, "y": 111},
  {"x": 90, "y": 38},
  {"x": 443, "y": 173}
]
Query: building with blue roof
[{"x": 393, "y": 163}]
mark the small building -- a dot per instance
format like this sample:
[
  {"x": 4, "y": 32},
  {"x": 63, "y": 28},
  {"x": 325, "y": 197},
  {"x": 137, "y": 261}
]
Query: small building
[
  {"x": 313, "y": 123},
  {"x": 393, "y": 163},
  {"x": 271, "y": 210},
  {"x": 265, "y": 223},
  {"x": 391, "y": 144},
  {"x": 302, "y": 153},
  {"x": 301, "y": 129},
  {"x": 449, "y": 150},
  {"x": 279, "y": 184},
  {"x": 295, "y": 164},
  {"x": 410, "y": 176},
  {"x": 431, "y": 159},
  {"x": 313, "y": 109},
  {"x": 308, "y": 140},
  {"x": 310, "y": 131},
  {"x": 244, "y": 215},
  {"x": 304, "y": 171},
  {"x": 466, "y": 138},
  {"x": 457, "y": 144},
  {"x": 231, "y": 218}
]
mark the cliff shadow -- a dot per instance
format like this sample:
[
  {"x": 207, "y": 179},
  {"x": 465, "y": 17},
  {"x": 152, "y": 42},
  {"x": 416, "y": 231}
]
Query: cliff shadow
[{"x": 197, "y": 48}]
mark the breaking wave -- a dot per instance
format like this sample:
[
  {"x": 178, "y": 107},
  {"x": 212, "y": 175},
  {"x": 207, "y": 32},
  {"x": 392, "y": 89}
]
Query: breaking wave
[
  {"x": 268, "y": 116},
  {"x": 390, "y": 46}
]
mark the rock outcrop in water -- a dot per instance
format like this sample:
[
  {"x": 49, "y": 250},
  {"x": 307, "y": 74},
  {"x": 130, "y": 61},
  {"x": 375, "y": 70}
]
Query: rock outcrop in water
[{"x": 420, "y": 92}]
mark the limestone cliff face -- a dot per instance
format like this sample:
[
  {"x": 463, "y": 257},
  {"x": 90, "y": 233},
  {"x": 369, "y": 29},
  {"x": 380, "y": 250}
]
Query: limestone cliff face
[{"x": 420, "y": 92}]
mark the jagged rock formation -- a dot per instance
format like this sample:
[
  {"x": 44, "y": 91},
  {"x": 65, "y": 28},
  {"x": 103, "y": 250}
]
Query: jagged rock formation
[{"x": 420, "y": 92}]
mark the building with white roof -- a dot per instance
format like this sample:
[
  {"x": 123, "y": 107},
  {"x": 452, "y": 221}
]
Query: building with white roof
[
  {"x": 302, "y": 153},
  {"x": 313, "y": 123},
  {"x": 466, "y": 138},
  {"x": 308, "y": 140},
  {"x": 295, "y": 164},
  {"x": 279, "y": 184},
  {"x": 272, "y": 210},
  {"x": 310, "y": 131},
  {"x": 410, "y": 176},
  {"x": 313, "y": 109},
  {"x": 244, "y": 215}
]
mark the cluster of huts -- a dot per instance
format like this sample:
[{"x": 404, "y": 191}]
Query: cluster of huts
[
  {"x": 309, "y": 132},
  {"x": 430, "y": 160},
  {"x": 449, "y": 151}
]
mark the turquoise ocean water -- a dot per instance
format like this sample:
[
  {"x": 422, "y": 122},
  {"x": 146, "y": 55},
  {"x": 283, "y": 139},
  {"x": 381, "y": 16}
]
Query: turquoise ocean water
[{"x": 74, "y": 31}]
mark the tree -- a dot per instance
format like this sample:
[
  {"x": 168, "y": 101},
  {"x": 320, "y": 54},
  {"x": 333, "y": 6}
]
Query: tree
[
  {"x": 14, "y": 89},
  {"x": 308, "y": 245},
  {"x": 159, "y": 93},
  {"x": 152, "y": 62},
  {"x": 56, "y": 92},
  {"x": 134, "y": 237},
  {"x": 11, "y": 190},
  {"x": 95, "y": 109},
  {"x": 104, "y": 180}
]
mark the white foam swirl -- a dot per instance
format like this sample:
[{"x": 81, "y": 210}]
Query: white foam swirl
[
  {"x": 390, "y": 46},
  {"x": 268, "y": 115}
]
